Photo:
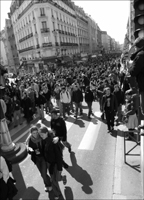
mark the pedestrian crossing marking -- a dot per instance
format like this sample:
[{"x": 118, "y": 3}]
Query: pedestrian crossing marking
[{"x": 89, "y": 139}]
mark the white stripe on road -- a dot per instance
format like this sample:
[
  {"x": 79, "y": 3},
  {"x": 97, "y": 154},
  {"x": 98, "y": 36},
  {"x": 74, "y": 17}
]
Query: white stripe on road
[
  {"x": 68, "y": 125},
  {"x": 22, "y": 135},
  {"x": 89, "y": 140}
]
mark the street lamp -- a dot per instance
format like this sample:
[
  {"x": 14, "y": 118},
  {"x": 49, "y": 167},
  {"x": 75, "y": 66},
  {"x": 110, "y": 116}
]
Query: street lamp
[
  {"x": 13, "y": 152},
  {"x": 139, "y": 18}
]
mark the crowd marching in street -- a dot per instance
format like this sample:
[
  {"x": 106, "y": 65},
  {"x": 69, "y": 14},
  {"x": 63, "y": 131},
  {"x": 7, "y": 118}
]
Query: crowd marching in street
[{"x": 98, "y": 80}]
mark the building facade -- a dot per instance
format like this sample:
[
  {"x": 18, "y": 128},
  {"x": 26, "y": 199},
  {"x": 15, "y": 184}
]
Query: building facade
[
  {"x": 3, "y": 56},
  {"x": 99, "y": 40},
  {"x": 82, "y": 26},
  {"x": 105, "y": 41},
  {"x": 43, "y": 30},
  {"x": 131, "y": 24},
  {"x": 12, "y": 42},
  {"x": 92, "y": 28},
  {"x": 9, "y": 55}
]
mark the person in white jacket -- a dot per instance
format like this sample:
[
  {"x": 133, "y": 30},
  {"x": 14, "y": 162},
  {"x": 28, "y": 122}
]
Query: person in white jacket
[{"x": 65, "y": 99}]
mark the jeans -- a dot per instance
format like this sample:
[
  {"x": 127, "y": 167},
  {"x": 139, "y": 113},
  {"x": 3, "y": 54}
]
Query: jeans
[
  {"x": 54, "y": 180},
  {"x": 89, "y": 108},
  {"x": 109, "y": 118},
  {"x": 42, "y": 167},
  {"x": 78, "y": 106},
  {"x": 66, "y": 108}
]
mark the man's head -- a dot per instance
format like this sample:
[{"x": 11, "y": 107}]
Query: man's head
[
  {"x": 43, "y": 132},
  {"x": 107, "y": 91},
  {"x": 54, "y": 114}
]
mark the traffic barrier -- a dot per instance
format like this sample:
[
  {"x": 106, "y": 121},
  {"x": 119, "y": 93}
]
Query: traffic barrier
[
  {"x": 127, "y": 153},
  {"x": 142, "y": 158}
]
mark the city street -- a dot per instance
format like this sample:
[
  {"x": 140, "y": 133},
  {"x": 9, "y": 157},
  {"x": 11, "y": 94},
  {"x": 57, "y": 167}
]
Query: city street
[{"x": 91, "y": 164}]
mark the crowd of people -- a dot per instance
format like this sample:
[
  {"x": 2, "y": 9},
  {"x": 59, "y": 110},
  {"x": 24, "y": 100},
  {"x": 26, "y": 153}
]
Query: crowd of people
[{"x": 97, "y": 80}]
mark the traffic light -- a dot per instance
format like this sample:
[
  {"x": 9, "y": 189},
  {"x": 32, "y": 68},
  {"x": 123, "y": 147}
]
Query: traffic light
[{"x": 139, "y": 18}]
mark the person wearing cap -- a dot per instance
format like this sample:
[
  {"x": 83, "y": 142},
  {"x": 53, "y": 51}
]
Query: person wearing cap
[{"x": 137, "y": 68}]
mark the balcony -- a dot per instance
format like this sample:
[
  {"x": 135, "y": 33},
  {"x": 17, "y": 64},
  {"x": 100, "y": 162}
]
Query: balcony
[
  {"x": 26, "y": 49},
  {"x": 62, "y": 32},
  {"x": 45, "y": 30},
  {"x": 42, "y": 15},
  {"x": 55, "y": 31},
  {"x": 49, "y": 44},
  {"x": 62, "y": 43},
  {"x": 37, "y": 46},
  {"x": 59, "y": 31},
  {"x": 56, "y": 43},
  {"x": 26, "y": 37}
]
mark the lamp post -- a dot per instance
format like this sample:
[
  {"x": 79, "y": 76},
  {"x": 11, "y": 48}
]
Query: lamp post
[
  {"x": 139, "y": 33},
  {"x": 13, "y": 152}
]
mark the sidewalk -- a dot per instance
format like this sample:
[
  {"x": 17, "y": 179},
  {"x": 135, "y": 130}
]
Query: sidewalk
[{"x": 127, "y": 176}]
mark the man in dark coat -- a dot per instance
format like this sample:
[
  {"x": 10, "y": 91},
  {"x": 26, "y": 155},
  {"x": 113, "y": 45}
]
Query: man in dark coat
[{"x": 89, "y": 98}]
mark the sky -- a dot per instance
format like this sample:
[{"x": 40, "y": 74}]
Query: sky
[{"x": 111, "y": 16}]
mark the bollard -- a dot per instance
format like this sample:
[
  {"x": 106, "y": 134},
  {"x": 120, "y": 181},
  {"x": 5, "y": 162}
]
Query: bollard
[
  {"x": 142, "y": 158},
  {"x": 15, "y": 153},
  {"x": 5, "y": 139}
]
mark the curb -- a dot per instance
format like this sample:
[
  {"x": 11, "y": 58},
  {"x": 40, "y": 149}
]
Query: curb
[
  {"x": 118, "y": 192},
  {"x": 118, "y": 165}
]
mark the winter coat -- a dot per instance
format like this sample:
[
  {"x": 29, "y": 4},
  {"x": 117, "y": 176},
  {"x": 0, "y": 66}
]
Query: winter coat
[
  {"x": 113, "y": 103},
  {"x": 89, "y": 97},
  {"x": 77, "y": 96}
]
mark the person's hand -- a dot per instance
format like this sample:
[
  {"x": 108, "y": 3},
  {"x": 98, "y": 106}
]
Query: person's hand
[{"x": 55, "y": 140}]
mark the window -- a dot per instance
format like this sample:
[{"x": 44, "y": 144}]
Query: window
[
  {"x": 44, "y": 25},
  {"x": 62, "y": 27},
  {"x": 58, "y": 26},
  {"x": 42, "y": 11},
  {"x": 26, "y": 21},
  {"x": 29, "y": 18},
  {"x": 57, "y": 15},
  {"x": 52, "y": 13},
  {"x": 37, "y": 41},
  {"x": 53, "y": 25},
  {"x": 35, "y": 28},
  {"x": 33, "y": 15},
  {"x": 55, "y": 38},
  {"x": 46, "y": 39}
]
